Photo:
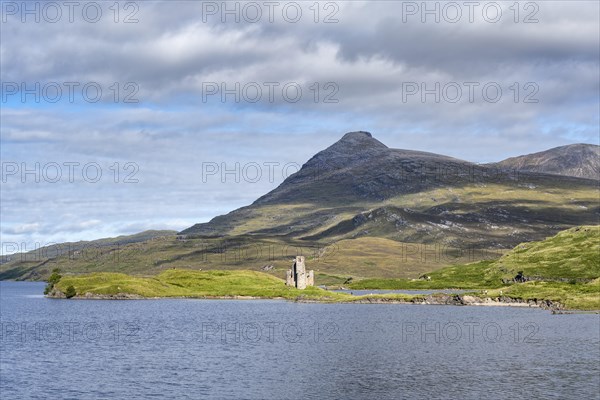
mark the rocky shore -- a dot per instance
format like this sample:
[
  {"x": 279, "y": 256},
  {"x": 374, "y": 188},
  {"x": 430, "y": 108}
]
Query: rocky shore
[
  {"x": 57, "y": 294},
  {"x": 466, "y": 300},
  {"x": 432, "y": 299}
]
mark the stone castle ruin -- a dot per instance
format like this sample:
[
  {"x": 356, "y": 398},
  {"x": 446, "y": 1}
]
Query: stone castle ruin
[{"x": 298, "y": 276}]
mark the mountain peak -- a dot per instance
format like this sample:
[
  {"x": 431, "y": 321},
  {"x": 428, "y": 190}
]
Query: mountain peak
[
  {"x": 353, "y": 147},
  {"x": 357, "y": 135},
  {"x": 357, "y": 141}
]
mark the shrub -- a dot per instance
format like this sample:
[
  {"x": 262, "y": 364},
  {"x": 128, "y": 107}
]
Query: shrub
[
  {"x": 53, "y": 280},
  {"x": 55, "y": 277},
  {"x": 70, "y": 292}
]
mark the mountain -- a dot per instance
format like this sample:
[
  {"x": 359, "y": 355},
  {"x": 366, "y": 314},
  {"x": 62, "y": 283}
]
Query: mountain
[
  {"x": 359, "y": 187},
  {"x": 579, "y": 160},
  {"x": 359, "y": 167},
  {"x": 360, "y": 209}
]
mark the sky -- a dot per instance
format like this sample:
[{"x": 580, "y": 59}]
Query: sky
[{"x": 118, "y": 117}]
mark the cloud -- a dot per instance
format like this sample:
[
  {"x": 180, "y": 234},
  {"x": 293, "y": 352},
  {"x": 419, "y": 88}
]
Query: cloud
[
  {"x": 371, "y": 56},
  {"x": 22, "y": 229}
]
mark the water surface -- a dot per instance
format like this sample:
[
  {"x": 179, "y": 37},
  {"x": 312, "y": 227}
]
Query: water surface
[{"x": 255, "y": 349}]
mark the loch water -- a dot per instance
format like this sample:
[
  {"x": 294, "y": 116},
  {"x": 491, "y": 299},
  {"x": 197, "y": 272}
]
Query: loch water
[{"x": 271, "y": 349}]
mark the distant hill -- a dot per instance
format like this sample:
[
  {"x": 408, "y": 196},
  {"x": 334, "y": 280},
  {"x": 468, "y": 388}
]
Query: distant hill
[
  {"x": 579, "y": 160},
  {"x": 28, "y": 265}
]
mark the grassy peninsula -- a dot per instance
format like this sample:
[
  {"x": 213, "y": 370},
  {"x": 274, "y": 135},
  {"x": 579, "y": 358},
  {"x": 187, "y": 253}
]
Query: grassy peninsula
[{"x": 190, "y": 283}]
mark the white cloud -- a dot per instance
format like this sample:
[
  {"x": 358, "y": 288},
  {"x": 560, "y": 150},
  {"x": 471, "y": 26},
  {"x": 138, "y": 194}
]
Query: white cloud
[{"x": 369, "y": 54}]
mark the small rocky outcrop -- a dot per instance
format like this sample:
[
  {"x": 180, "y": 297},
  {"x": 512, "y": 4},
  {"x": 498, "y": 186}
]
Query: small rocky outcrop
[
  {"x": 55, "y": 293},
  {"x": 117, "y": 296}
]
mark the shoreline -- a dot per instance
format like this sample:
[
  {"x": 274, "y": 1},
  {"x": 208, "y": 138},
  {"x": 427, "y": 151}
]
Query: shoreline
[{"x": 431, "y": 299}]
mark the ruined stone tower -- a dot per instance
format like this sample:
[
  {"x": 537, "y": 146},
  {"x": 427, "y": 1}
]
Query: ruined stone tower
[
  {"x": 298, "y": 276},
  {"x": 310, "y": 278}
]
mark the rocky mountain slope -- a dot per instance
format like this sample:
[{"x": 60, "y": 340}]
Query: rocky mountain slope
[
  {"x": 579, "y": 160},
  {"x": 360, "y": 187}
]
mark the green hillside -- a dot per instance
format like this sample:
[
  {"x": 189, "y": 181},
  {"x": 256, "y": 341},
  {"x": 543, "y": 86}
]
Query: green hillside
[
  {"x": 563, "y": 268},
  {"x": 573, "y": 254},
  {"x": 570, "y": 256}
]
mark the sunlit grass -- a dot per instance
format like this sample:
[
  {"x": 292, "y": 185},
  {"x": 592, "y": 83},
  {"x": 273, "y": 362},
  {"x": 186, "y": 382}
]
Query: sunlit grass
[
  {"x": 564, "y": 268},
  {"x": 193, "y": 284}
]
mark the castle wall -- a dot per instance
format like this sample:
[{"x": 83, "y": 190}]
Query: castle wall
[
  {"x": 310, "y": 278},
  {"x": 298, "y": 276},
  {"x": 300, "y": 272},
  {"x": 289, "y": 278}
]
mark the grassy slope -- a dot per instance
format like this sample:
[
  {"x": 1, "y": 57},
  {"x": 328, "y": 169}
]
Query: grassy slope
[
  {"x": 186, "y": 283},
  {"x": 566, "y": 268},
  {"x": 571, "y": 254},
  {"x": 361, "y": 257},
  {"x": 478, "y": 275},
  {"x": 205, "y": 284}
]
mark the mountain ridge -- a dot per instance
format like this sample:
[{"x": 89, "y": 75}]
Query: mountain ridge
[
  {"x": 361, "y": 209},
  {"x": 360, "y": 187}
]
